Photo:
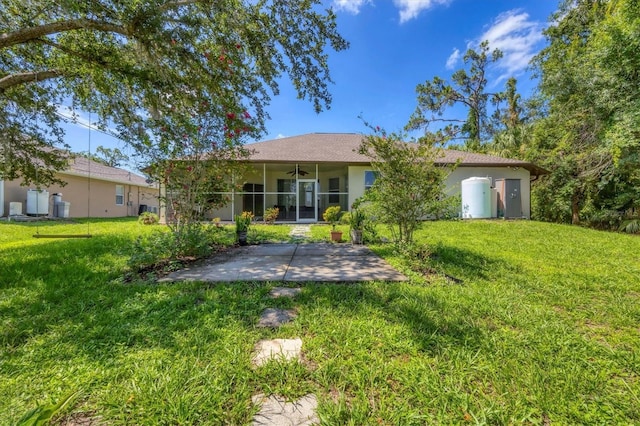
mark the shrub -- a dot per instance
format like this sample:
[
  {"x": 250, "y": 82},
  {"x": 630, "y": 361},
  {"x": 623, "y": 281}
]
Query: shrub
[
  {"x": 332, "y": 215},
  {"x": 148, "y": 218},
  {"x": 271, "y": 214},
  {"x": 192, "y": 241},
  {"x": 243, "y": 221}
]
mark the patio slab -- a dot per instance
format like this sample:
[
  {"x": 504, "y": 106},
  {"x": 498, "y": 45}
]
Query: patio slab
[{"x": 317, "y": 262}]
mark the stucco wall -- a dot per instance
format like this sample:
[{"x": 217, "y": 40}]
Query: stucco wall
[
  {"x": 452, "y": 184},
  {"x": 102, "y": 202}
]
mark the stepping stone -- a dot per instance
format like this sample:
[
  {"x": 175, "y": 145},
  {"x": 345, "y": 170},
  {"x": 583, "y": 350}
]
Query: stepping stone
[
  {"x": 275, "y": 317},
  {"x": 277, "y": 412},
  {"x": 284, "y": 292},
  {"x": 283, "y": 349},
  {"x": 300, "y": 232}
]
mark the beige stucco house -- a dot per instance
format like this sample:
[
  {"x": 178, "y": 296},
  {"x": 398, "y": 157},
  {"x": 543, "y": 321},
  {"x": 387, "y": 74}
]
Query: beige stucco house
[
  {"x": 92, "y": 190},
  {"x": 303, "y": 175}
]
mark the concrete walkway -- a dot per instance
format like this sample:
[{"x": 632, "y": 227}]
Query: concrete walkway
[{"x": 317, "y": 262}]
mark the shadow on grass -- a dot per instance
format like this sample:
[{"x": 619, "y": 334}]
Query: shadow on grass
[
  {"x": 68, "y": 290},
  {"x": 454, "y": 262},
  {"x": 434, "y": 323}
]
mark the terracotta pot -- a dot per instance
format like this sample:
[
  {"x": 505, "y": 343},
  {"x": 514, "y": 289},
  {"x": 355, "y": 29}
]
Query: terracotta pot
[{"x": 336, "y": 236}]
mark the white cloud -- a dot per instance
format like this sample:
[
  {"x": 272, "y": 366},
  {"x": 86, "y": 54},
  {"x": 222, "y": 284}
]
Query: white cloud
[
  {"x": 453, "y": 59},
  {"x": 351, "y": 6},
  {"x": 280, "y": 136},
  {"x": 517, "y": 37},
  {"x": 410, "y": 9}
]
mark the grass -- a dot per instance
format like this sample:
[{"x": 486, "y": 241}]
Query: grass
[{"x": 542, "y": 328}]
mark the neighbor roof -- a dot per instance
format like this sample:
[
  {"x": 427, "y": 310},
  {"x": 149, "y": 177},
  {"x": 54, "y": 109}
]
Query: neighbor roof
[
  {"x": 82, "y": 166},
  {"x": 343, "y": 148}
]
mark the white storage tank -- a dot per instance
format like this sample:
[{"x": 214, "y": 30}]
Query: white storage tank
[
  {"x": 476, "y": 198},
  {"x": 37, "y": 202}
]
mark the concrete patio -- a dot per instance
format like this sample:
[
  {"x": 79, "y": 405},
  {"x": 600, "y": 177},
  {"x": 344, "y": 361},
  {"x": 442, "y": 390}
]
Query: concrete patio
[{"x": 315, "y": 262}]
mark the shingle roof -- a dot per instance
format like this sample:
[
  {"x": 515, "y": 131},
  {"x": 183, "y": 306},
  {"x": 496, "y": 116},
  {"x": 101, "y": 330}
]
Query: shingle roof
[
  {"x": 82, "y": 166},
  {"x": 343, "y": 148}
]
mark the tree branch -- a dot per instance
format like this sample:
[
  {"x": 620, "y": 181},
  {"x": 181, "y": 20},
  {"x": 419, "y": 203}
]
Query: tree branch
[
  {"x": 28, "y": 34},
  {"x": 26, "y": 77}
]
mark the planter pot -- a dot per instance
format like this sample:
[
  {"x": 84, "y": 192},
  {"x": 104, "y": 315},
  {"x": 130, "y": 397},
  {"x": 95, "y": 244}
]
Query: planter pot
[
  {"x": 336, "y": 236},
  {"x": 242, "y": 237},
  {"x": 356, "y": 236}
]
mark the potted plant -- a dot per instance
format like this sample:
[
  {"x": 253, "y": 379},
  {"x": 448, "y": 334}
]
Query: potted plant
[
  {"x": 332, "y": 215},
  {"x": 243, "y": 221},
  {"x": 356, "y": 225}
]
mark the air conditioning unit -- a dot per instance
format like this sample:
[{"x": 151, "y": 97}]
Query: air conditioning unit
[{"x": 15, "y": 208}]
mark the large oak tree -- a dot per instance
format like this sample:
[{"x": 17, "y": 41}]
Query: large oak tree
[{"x": 146, "y": 67}]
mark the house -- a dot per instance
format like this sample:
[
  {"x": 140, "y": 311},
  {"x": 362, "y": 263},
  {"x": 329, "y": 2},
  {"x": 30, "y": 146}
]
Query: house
[
  {"x": 92, "y": 190},
  {"x": 303, "y": 175}
]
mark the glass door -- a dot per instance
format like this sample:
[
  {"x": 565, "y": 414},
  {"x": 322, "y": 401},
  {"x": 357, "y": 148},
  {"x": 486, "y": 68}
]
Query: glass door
[{"x": 307, "y": 201}]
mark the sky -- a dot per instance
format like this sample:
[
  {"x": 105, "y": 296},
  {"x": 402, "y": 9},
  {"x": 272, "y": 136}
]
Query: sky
[{"x": 394, "y": 46}]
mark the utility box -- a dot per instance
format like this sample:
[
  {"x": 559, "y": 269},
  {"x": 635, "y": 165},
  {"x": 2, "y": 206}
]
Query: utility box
[
  {"x": 509, "y": 198},
  {"x": 61, "y": 209}
]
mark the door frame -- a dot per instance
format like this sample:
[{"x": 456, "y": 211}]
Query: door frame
[{"x": 299, "y": 201}]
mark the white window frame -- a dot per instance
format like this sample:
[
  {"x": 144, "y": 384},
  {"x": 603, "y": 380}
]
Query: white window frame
[{"x": 120, "y": 194}]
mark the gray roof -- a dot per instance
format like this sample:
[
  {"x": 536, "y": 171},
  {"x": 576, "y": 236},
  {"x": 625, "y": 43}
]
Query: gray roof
[
  {"x": 82, "y": 166},
  {"x": 343, "y": 148}
]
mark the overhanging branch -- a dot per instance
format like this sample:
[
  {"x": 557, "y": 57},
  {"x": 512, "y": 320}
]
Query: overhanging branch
[
  {"x": 29, "y": 34},
  {"x": 26, "y": 77}
]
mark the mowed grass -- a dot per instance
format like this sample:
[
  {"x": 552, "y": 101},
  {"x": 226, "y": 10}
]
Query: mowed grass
[{"x": 543, "y": 328}]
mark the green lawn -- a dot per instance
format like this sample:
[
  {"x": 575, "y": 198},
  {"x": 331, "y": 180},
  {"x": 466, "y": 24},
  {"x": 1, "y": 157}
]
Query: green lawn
[{"x": 543, "y": 327}]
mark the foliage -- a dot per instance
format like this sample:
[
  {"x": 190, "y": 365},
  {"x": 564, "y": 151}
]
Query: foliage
[
  {"x": 409, "y": 186},
  {"x": 243, "y": 221},
  {"x": 112, "y": 157},
  {"x": 42, "y": 415},
  {"x": 143, "y": 65},
  {"x": 161, "y": 247},
  {"x": 631, "y": 226},
  {"x": 271, "y": 214},
  {"x": 332, "y": 215},
  {"x": 357, "y": 219},
  {"x": 148, "y": 218},
  {"x": 589, "y": 139},
  {"x": 466, "y": 89}
]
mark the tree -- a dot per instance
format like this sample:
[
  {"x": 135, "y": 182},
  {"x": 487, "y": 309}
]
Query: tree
[
  {"x": 111, "y": 157},
  {"x": 589, "y": 77},
  {"x": 140, "y": 66},
  {"x": 467, "y": 89},
  {"x": 409, "y": 186}
]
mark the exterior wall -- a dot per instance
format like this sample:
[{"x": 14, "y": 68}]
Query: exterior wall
[
  {"x": 356, "y": 182},
  {"x": 102, "y": 202},
  {"x": 453, "y": 182}
]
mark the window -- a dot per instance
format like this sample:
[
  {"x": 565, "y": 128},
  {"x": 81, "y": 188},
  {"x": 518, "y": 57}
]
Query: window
[
  {"x": 369, "y": 179},
  {"x": 334, "y": 189},
  {"x": 119, "y": 195}
]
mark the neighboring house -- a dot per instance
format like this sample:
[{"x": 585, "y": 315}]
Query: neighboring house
[
  {"x": 303, "y": 175},
  {"x": 92, "y": 190}
]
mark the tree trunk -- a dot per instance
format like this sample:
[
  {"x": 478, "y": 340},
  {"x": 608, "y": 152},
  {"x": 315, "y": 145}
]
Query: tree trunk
[{"x": 575, "y": 209}]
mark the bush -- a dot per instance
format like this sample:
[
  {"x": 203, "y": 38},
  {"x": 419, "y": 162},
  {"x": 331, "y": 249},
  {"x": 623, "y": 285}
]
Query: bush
[
  {"x": 271, "y": 214},
  {"x": 332, "y": 215},
  {"x": 160, "y": 247},
  {"x": 148, "y": 218}
]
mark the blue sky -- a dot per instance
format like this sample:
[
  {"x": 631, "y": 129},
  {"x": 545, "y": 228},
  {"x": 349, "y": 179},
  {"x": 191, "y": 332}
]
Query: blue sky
[{"x": 395, "y": 45}]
